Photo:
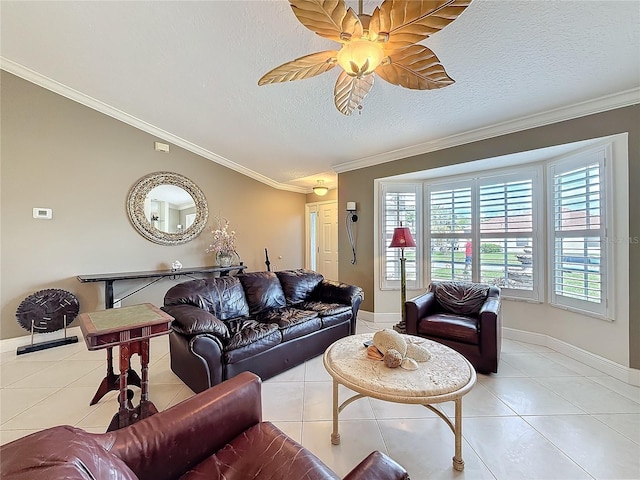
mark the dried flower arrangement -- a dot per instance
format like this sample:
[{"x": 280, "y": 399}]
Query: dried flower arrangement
[{"x": 224, "y": 240}]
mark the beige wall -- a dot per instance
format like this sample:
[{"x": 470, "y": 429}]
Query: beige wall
[
  {"x": 58, "y": 154},
  {"x": 358, "y": 185}
]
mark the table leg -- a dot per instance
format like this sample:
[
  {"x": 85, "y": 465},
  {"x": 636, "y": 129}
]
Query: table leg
[
  {"x": 458, "y": 463},
  {"x": 127, "y": 413},
  {"x": 335, "y": 436},
  {"x": 144, "y": 362},
  {"x": 112, "y": 381},
  {"x": 125, "y": 364},
  {"x": 108, "y": 294},
  {"x": 146, "y": 407}
]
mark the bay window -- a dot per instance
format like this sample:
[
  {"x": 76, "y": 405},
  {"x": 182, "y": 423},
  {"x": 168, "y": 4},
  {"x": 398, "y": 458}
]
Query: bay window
[{"x": 492, "y": 227}]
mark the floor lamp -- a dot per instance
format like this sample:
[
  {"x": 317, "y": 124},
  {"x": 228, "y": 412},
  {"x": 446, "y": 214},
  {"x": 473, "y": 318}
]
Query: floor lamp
[{"x": 402, "y": 239}]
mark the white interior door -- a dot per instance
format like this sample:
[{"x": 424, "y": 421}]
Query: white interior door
[{"x": 322, "y": 236}]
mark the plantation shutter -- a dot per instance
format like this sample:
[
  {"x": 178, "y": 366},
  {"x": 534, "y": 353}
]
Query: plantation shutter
[
  {"x": 450, "y": 219},
  {"x": 578, "y": 276},
  {"x": 506, "y": 232},
  {"x": 399, "y": 205}
]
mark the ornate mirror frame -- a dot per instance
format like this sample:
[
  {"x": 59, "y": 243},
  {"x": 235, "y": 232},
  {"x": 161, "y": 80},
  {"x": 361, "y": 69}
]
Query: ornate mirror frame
[{"x": 136, "y": 201}]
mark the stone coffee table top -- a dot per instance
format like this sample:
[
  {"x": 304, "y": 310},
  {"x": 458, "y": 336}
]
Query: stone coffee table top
[{"x": 445, "y": 376}]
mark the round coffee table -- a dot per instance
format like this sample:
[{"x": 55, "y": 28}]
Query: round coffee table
[{"x": 446, "y": 376}]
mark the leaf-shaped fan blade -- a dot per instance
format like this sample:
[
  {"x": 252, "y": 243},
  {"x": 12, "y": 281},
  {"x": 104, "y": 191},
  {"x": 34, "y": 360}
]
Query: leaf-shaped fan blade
[
  {"x": 410, "y": 21},
  {"x": 374, "y": 25},
  {"x": 303, "y": 67},
  {"x": 350, "y": 91},
  {"x": 328, "y": 18},
  {"x": 415, "y": 67}
]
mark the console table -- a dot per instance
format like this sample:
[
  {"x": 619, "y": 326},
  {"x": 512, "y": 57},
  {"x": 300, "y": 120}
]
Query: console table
[{"x": 110, "y": 278}]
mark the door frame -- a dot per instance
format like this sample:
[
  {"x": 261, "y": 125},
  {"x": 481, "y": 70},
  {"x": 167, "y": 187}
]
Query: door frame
[{"x": 307, "y": 229}]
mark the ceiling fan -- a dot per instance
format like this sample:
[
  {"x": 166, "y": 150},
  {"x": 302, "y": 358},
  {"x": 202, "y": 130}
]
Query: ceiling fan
[{"x": 384, "y": 42}]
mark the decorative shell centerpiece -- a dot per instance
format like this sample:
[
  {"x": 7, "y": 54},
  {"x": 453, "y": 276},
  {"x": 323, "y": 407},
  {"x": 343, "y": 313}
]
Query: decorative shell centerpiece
[{"x": 396, "y": 350}]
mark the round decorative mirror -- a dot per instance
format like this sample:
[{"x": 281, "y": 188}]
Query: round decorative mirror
[{"x": 167, "y": 208}]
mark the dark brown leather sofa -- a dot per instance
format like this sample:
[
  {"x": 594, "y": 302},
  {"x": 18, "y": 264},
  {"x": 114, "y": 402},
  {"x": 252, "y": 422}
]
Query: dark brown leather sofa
[
  {"x": 262, "y": 322},
  {"x": 462, "y": 315},
  {"x": 217, "y": 434}
]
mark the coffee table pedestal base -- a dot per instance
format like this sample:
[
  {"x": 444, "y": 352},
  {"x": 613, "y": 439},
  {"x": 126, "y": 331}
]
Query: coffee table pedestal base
[{"x": 456, "y": 428}]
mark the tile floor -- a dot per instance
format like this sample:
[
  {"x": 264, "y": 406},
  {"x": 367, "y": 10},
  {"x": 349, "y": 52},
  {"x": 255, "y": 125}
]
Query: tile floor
[{"x": 543, "y": 416}]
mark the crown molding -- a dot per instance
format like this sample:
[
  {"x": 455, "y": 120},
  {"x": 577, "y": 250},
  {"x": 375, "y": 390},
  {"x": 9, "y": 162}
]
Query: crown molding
[
  {"x": 79, "y": 97},
  {"x": 608, "y": 102},
  {"x": 589, "y": 107}
]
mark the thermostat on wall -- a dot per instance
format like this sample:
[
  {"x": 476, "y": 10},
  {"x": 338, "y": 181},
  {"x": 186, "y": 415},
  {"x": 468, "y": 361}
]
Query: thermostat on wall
[{"x": 43, "y": 213}]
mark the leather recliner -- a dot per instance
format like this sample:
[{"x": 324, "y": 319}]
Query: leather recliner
[
  {"x": 462, "y": 315},
  {"x": 217, "y": 434}
]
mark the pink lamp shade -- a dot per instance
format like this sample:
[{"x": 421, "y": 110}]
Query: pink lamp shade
[{"x": 402, "y": 238}]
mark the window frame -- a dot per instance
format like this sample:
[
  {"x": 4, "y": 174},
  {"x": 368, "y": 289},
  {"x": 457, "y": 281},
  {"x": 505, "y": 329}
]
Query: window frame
[
  {"x": 475, "y": 181},
  {"x": 605, "y": 308},
  {"x": 452, "y": 183},
  {"x": 401, "y": 187}
]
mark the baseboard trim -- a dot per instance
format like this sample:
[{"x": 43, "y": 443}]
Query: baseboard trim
[
  {"x": 622, "y": 373},
  {"x": 12, "y": 344},
  {"x": 378, "y": 317}
]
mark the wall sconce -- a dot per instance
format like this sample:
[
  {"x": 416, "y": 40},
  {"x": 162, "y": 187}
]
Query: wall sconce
[
  {"x": 320, "y": 189},
  {"x": 350, "y": 220}
]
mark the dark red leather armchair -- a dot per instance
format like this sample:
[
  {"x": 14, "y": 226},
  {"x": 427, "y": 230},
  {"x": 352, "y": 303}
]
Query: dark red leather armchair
[
  {"x": 462, "y": 315},
  {"x": 216, "y": 434}
]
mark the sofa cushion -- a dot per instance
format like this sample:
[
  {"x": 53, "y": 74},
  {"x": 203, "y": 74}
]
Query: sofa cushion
[
  {"x": 221, "y": 296},
  {"x": 62, "y": 452},
  {"x": 262, "y": 291},
  {"x": 228, "y": 297},
  {"x": 263, "y": 451},
  {"x": 293, "y": 322},
  {"x": 450, "y": 326},
  {"x": 298, "y": 284},
  {"x": 285, "y": 317},
  {"x": 190, "y": 320},
  {"x": 341, "y": 317},
  {"x": 464, "y": 298},
  {"x": 248, "y": 338},
  {"x": 326, "y": 309}
]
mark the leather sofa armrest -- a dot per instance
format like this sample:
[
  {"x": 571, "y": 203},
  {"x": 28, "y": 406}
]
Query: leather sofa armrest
[
  {"x": 417, "y": 308},
  {"x": 191, "y": 320},
  {"x": 490, "y": 326},
  {"x": 377, "y": 466},
  {"x": 330, "y": 291},
  {"x": 169, "y": 443},
  {"x": 490, "y": 309}
]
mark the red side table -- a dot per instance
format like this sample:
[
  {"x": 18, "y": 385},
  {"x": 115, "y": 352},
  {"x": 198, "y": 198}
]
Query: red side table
[{"x": 128, "y": 328}]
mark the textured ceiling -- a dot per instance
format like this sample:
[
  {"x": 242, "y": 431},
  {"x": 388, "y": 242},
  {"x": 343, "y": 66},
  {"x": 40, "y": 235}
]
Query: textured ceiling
[{"x": 188, "y": 72}]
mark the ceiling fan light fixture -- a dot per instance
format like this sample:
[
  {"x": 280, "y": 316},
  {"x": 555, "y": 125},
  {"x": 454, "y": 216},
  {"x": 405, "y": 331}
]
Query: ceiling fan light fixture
[
  {"x": 385, "y": 42},
  {"x": 320, "y": 189},
  {"x": 360, "y": 57}
]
